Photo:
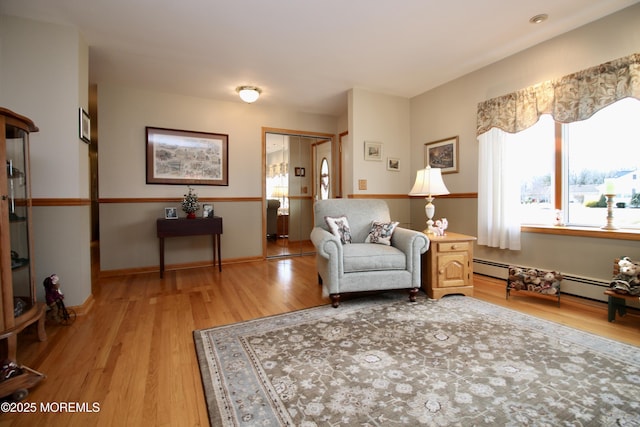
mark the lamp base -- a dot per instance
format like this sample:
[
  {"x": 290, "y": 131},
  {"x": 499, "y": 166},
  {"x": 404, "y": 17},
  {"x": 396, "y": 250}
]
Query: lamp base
[
  {"x": 430, "y": 229},
  {"x": 609, "y": 225},
  {"x": 434, "y": 232},
  {"x": 429, "y": 211}
]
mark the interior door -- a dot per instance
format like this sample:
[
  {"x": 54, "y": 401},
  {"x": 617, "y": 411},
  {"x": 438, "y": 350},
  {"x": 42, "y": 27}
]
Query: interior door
[{"x": 323, "y": 170}]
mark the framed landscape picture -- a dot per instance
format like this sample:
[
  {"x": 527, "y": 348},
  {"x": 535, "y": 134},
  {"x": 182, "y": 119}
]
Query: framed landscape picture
[
  {"x": 187, "y": 157},
  {"x": 442, "y": 154}
]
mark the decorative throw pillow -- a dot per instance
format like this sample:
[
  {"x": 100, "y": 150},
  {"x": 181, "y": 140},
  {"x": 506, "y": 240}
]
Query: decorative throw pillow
[
  {"x": 381, "y": 232},
  {"x": 339, "y": 227}
]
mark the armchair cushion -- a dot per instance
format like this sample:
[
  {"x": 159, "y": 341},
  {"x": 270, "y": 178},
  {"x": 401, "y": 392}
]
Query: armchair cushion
[
  {"x": 339, "y": 227},
  {"x": 381, "y": 232},
  {"x": 367, "y": 257}
]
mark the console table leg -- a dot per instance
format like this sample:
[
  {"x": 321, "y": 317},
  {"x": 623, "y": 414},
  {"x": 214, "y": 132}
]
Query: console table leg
[
  {"x": 213, "y": 247},
  {"x": 161, "y": 257},
  {"x": 219, "y": 254}
]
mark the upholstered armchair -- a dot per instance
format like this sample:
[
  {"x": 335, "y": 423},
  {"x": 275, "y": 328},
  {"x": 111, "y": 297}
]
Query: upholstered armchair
[
  {"x": 272, "y": 218},
  {"x": 359, "y": 248}
]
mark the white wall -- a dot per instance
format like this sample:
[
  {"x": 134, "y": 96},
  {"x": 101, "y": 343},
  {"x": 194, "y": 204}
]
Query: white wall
[
  {"x": 376, "y": 117},
  {"x": 44, "y": 76},
  {"x": 127, "y": 229},
  {"x": 380, "y": 118},
  {"x": 451, "y": 110}
]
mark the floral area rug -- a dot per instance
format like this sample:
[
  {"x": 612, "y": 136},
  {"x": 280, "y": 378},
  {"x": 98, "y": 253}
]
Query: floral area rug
[{"x": 382, "y": 361}]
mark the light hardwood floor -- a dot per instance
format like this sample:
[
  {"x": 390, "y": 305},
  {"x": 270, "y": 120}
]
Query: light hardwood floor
[
  {"x": 282, "y": 247},
  {"x": 133, "y": 354}
]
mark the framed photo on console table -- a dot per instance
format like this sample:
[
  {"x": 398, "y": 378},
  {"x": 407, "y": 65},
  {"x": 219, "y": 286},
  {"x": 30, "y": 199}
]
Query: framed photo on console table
[
  {"x": 170, "y": 213},
  {"x": 187, "y": 157},
  {"x": 442, "y": 154}
]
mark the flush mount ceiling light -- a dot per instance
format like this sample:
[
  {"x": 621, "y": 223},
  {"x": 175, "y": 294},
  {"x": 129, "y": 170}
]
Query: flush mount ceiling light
[
  {"x": 249, "y": 94},
  {"x": 539, "y": 19}
]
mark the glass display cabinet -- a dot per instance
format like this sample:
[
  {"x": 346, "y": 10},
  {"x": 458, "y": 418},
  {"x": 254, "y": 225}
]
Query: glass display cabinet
[{"x": 18, "y": 306}]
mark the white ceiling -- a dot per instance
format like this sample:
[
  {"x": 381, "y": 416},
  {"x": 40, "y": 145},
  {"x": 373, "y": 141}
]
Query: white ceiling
[{"x": 304, "y": 54}]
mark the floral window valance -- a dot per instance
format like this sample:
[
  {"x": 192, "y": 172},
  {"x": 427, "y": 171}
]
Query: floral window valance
[{"x": 571, "y": 98}]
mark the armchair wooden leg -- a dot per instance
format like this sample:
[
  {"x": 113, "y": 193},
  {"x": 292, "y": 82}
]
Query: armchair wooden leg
[
  {"x": 335, "y": 300},
  {"x": 412, "y": 294}
]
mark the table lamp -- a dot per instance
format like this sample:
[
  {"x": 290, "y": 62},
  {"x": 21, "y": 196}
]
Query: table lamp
[
  {"x": 280, "y": 192},
  {"x": 429, "y": 183}
]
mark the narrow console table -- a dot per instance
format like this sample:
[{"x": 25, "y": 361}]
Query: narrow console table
[{"x": 190, "y": 227}]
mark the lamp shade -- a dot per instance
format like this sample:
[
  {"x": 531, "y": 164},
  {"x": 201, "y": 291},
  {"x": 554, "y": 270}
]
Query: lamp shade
[
  {"x": 429, "y": 183},
  {"x": 280, "y": 191},
  {"x": 248, "y": 94}
]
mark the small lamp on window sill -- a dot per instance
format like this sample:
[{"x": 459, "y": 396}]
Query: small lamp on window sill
[
  {"x": 429, "y": 183},
  {"x": 609, "y": 193}
]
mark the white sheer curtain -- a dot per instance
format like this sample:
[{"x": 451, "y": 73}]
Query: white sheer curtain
[{"x": 498, "y": 191}]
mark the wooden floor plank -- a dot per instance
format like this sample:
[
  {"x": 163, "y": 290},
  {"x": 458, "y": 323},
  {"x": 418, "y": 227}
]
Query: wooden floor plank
[{"x": 133, "y": 353}]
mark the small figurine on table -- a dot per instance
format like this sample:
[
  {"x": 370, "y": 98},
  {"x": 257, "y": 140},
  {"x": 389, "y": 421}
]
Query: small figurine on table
[{"x": 53, "y": 295}]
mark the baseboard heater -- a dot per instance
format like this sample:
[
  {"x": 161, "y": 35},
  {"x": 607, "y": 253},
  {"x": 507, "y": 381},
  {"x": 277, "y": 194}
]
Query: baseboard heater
[{"x": 582, "y": 287}]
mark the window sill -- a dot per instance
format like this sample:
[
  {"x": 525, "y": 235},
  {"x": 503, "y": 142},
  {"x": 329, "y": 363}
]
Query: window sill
[{"x": 582, "y": 232}]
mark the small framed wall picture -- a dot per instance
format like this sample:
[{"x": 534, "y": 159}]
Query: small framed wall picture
[
  {"x": 207, "y": 210},
  {"x": 373, "y": 151},
  {"x": 84, "y": 127},
  {"x": 170, "y": 213},
  {"x": 393, "y": 164}
]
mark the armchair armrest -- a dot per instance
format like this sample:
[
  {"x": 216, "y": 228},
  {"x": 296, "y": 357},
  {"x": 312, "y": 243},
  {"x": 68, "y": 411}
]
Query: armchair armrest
[
  {"x": 409, "y": 241},
  {"x": 328, "y": 247},
  {"x": 413, "y": 244},
  {"x": 326, "y": 243}
]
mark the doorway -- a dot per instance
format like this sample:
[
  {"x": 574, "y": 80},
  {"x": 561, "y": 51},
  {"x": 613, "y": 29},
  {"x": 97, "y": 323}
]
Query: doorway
[{"x": 291, "y": 184}]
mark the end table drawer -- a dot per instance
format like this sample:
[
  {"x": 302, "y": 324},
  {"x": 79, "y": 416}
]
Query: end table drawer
[{"x": 453, "y": 246}]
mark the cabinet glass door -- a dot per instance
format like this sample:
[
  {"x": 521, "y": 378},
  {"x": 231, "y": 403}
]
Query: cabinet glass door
[{"x": 19, "y": 201}]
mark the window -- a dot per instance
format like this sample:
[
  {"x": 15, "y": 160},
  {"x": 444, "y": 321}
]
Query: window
[
  {"x": 594, "y": 155},
  {"x": 579, "y": 96},
  {"x": 536, "y": 168},
  {"x": 324, "y": 179}
]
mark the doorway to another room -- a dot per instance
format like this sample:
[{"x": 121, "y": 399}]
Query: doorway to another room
[{"x": 298, "y": 169}]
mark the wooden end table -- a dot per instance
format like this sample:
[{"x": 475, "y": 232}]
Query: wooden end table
[{"x": 447, "y": 267}]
